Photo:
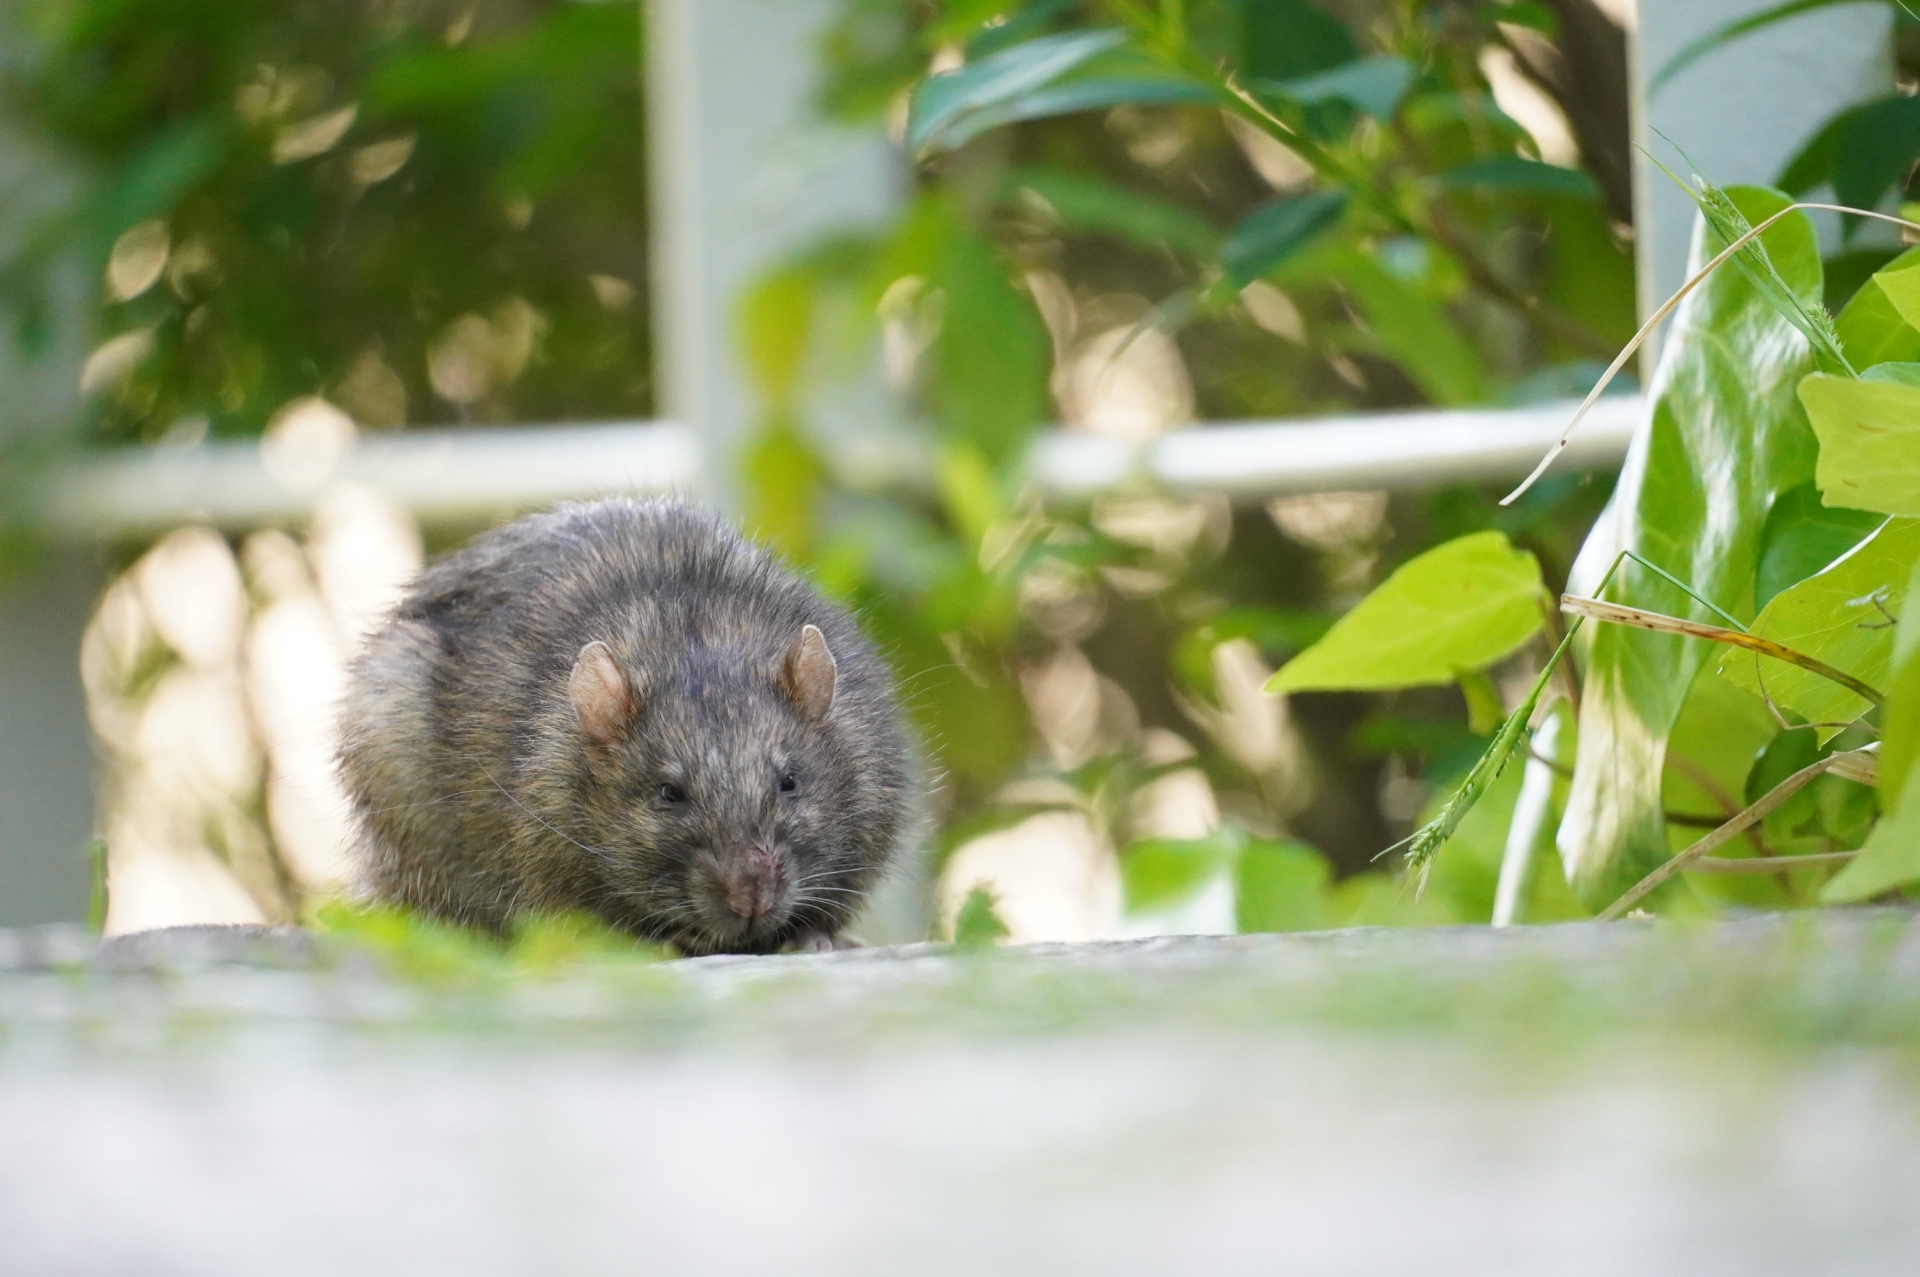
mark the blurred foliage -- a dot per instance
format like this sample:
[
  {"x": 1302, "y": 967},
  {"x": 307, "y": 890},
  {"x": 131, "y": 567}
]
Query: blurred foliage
[
  {"x": 415, "y": 947},
  {"x": 1094, "y": 199},
  {"x": 426, "y": 210}
]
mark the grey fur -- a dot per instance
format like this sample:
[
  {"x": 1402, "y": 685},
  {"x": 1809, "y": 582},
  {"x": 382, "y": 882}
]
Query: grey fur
[{"x": 480, "y": 798}]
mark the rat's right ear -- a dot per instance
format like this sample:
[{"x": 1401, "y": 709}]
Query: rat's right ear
[{"x": 601, "y": 696}]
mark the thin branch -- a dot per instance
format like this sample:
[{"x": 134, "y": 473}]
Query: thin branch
[
  {"x": 1712, "y": 788},
  {"x": 1774, "y": 865},
  {"x": 1620, "y": 615},
  {"x": 1726, "y": 833},
  {"x": 1666, "y": 309}
]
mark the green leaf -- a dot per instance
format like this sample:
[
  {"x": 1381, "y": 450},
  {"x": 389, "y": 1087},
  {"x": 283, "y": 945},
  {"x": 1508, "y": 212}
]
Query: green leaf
[
  {"x": 1869, "y": 433},
  {"x": 1872, "y": 328},
  {"x": 1460, "y": 606},
  {"x": 1900, "y": 722},
  {"x": 1902, "y": 287},
  {"x": 1289, "y": 39},
  {"x": 1159, "y": 873},
  {"x": 1725, "y": 437},
  {"x": 1517, "y": 173},
  {"x": 988, "y": 376},
  {"x": 1374, "y": 85},
  {"x": 1409, "y": 327},
  {"x": 1093, "y": 204},
  {"x": 1808, "y": 314},
  {"x": 1802, "y": 536},
  {"x": 1051, "y": 75},
  {"x": 1275, "y": 231},
  {"x": 978, "y": 925},
  {"x": 1875, "y": 149},
  {"x": 1840, "y": 616},
  {"x": 1890, "y": 858},
  {"x": 1280, "y": 886}
]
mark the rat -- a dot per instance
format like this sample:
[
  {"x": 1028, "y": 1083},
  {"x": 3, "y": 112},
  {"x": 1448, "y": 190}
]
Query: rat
[{"x": 625, "y": 707}]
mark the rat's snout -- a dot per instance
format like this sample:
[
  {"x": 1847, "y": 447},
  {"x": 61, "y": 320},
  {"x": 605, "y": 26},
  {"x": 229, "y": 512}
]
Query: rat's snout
[{"x": 752, "y": 882}]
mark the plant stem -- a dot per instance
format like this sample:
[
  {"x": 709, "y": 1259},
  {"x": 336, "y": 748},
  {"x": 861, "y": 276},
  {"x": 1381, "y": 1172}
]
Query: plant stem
[
  {"x": 1666, "y": 309},
  {"x": 1751, "y": 816},
  {"x": 1618, "y": 614},
  {"x": 1772, "y": 865}
]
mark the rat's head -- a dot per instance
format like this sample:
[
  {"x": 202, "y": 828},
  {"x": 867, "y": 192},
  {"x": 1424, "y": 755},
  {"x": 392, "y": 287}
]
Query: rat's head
[{"x": 722, "y": 809}]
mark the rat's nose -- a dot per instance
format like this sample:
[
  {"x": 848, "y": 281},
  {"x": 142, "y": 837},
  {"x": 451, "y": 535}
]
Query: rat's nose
[{"x": 751, "y": 882}]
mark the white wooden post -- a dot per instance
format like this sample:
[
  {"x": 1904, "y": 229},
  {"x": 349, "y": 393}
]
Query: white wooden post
[
  {"x": 1740, "y": 112},
  {"x": 740, "y": 174},
  {"x": 46, "y": 763}
]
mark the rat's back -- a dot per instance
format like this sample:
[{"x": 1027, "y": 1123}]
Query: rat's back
[{"x": 462, "y": 732}]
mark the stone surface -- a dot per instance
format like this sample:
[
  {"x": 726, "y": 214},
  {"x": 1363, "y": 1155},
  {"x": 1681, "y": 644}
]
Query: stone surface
[{"x": 1624, "y": 1098}]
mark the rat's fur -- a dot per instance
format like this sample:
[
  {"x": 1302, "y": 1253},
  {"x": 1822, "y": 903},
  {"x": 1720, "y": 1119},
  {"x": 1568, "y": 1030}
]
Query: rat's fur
[{"x": 480, "y": 797}]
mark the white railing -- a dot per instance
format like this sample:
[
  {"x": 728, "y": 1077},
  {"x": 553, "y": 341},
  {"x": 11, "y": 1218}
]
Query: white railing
[{"x": 442, "y": 475}]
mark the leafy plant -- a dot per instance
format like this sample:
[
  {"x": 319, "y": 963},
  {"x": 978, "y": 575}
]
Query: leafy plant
[
  {"x": 426, "y": 211},
  {"x": 1716, "y": 487},
  {"x": 1299, "y": 215}
]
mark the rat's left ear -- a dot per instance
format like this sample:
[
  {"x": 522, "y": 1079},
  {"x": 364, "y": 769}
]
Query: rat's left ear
[
  {"x": 808, "y": 674},
  {"x": 602, "y": 697}
]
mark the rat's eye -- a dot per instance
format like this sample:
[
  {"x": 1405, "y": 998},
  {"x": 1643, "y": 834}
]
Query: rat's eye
[
  {"x": 672, "y": 793},
  {"x": 788, "y": 784}
]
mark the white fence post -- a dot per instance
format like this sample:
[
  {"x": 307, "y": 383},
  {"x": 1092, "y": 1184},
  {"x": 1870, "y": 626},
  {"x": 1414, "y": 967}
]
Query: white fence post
[
  {"x": 740, "y": 173},
  {"x": 1741, "y": 112}
]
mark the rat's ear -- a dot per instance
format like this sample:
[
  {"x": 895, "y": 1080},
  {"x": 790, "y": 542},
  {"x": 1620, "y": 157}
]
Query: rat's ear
[
  {"x": 601, "y": 696},
  {"x": 808, "y": 673}
]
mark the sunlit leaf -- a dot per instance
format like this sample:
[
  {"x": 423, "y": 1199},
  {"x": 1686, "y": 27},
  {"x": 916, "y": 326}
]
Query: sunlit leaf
[
  {"x": 1843, "y": 616},
  {"x": 1869, "y": 433},
  {"x": 1460, "y": 606},
  {"x": 1900, "y": 723},
  {"x": 1047, "y": 76},
  {"x": 1517, "y": 173},
  {"x": 1901, "y": 284},
  {"x": 1726, "y": 435},
  {"x": 1280, "y": 886},
  {"x": 1160, "y": 873}
]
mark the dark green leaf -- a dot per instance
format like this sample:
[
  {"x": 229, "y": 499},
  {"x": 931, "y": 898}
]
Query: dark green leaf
[
  {"x": 1374, "y": 85},
  {"x": 1841, "y": 615},
  {"x": 1275, "y": 231},
  {"x": 1803, "y": 535},
  {"x": 1092, "y": 204},
  {"x": 1875, "y": 149},
  {"x": 1517, "y": 173},
  {"x": 1289, "y": 39},
  {"x": 1890, "y": 858},
  {"x": 978, "y": 925}
]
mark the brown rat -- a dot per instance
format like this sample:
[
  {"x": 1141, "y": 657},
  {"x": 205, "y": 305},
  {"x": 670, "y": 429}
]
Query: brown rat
[{"x": 624, "y": 707}]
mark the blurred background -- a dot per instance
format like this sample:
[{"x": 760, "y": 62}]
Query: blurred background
[{"x": 296, "y": 294}]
